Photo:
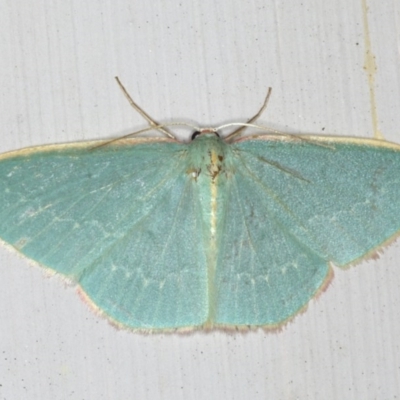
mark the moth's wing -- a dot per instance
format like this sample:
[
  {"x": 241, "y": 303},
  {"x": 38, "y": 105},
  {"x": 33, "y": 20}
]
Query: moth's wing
[
  {"x": 293, "y": 207},
  {"x": 119, "y": 220}
]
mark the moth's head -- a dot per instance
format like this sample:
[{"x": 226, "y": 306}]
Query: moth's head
[{"x": 208, "y": 132}]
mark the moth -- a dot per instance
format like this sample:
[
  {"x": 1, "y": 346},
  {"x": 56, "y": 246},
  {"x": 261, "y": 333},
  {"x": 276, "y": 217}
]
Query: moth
[{"x": 220, "y": 232}]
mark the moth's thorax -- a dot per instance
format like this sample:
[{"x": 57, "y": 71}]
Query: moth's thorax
[
  {"x": 209, "y": 167},
  {"x": 208, "y": 157}
]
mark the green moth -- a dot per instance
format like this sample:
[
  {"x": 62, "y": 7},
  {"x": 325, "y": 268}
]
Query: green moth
[{"x": 216, "y": 233}]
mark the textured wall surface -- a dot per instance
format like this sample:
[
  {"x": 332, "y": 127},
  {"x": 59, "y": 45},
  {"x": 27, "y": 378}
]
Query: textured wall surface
[{"x": 334, "y": 69}]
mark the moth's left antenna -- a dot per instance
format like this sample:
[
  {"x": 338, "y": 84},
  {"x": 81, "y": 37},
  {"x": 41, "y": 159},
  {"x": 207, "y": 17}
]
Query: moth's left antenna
[{"x": 146, "y": 116}]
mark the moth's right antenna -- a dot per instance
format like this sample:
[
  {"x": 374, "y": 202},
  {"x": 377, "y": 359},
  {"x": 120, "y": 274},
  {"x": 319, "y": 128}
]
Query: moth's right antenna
[{"x": 252, "y": 119}]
